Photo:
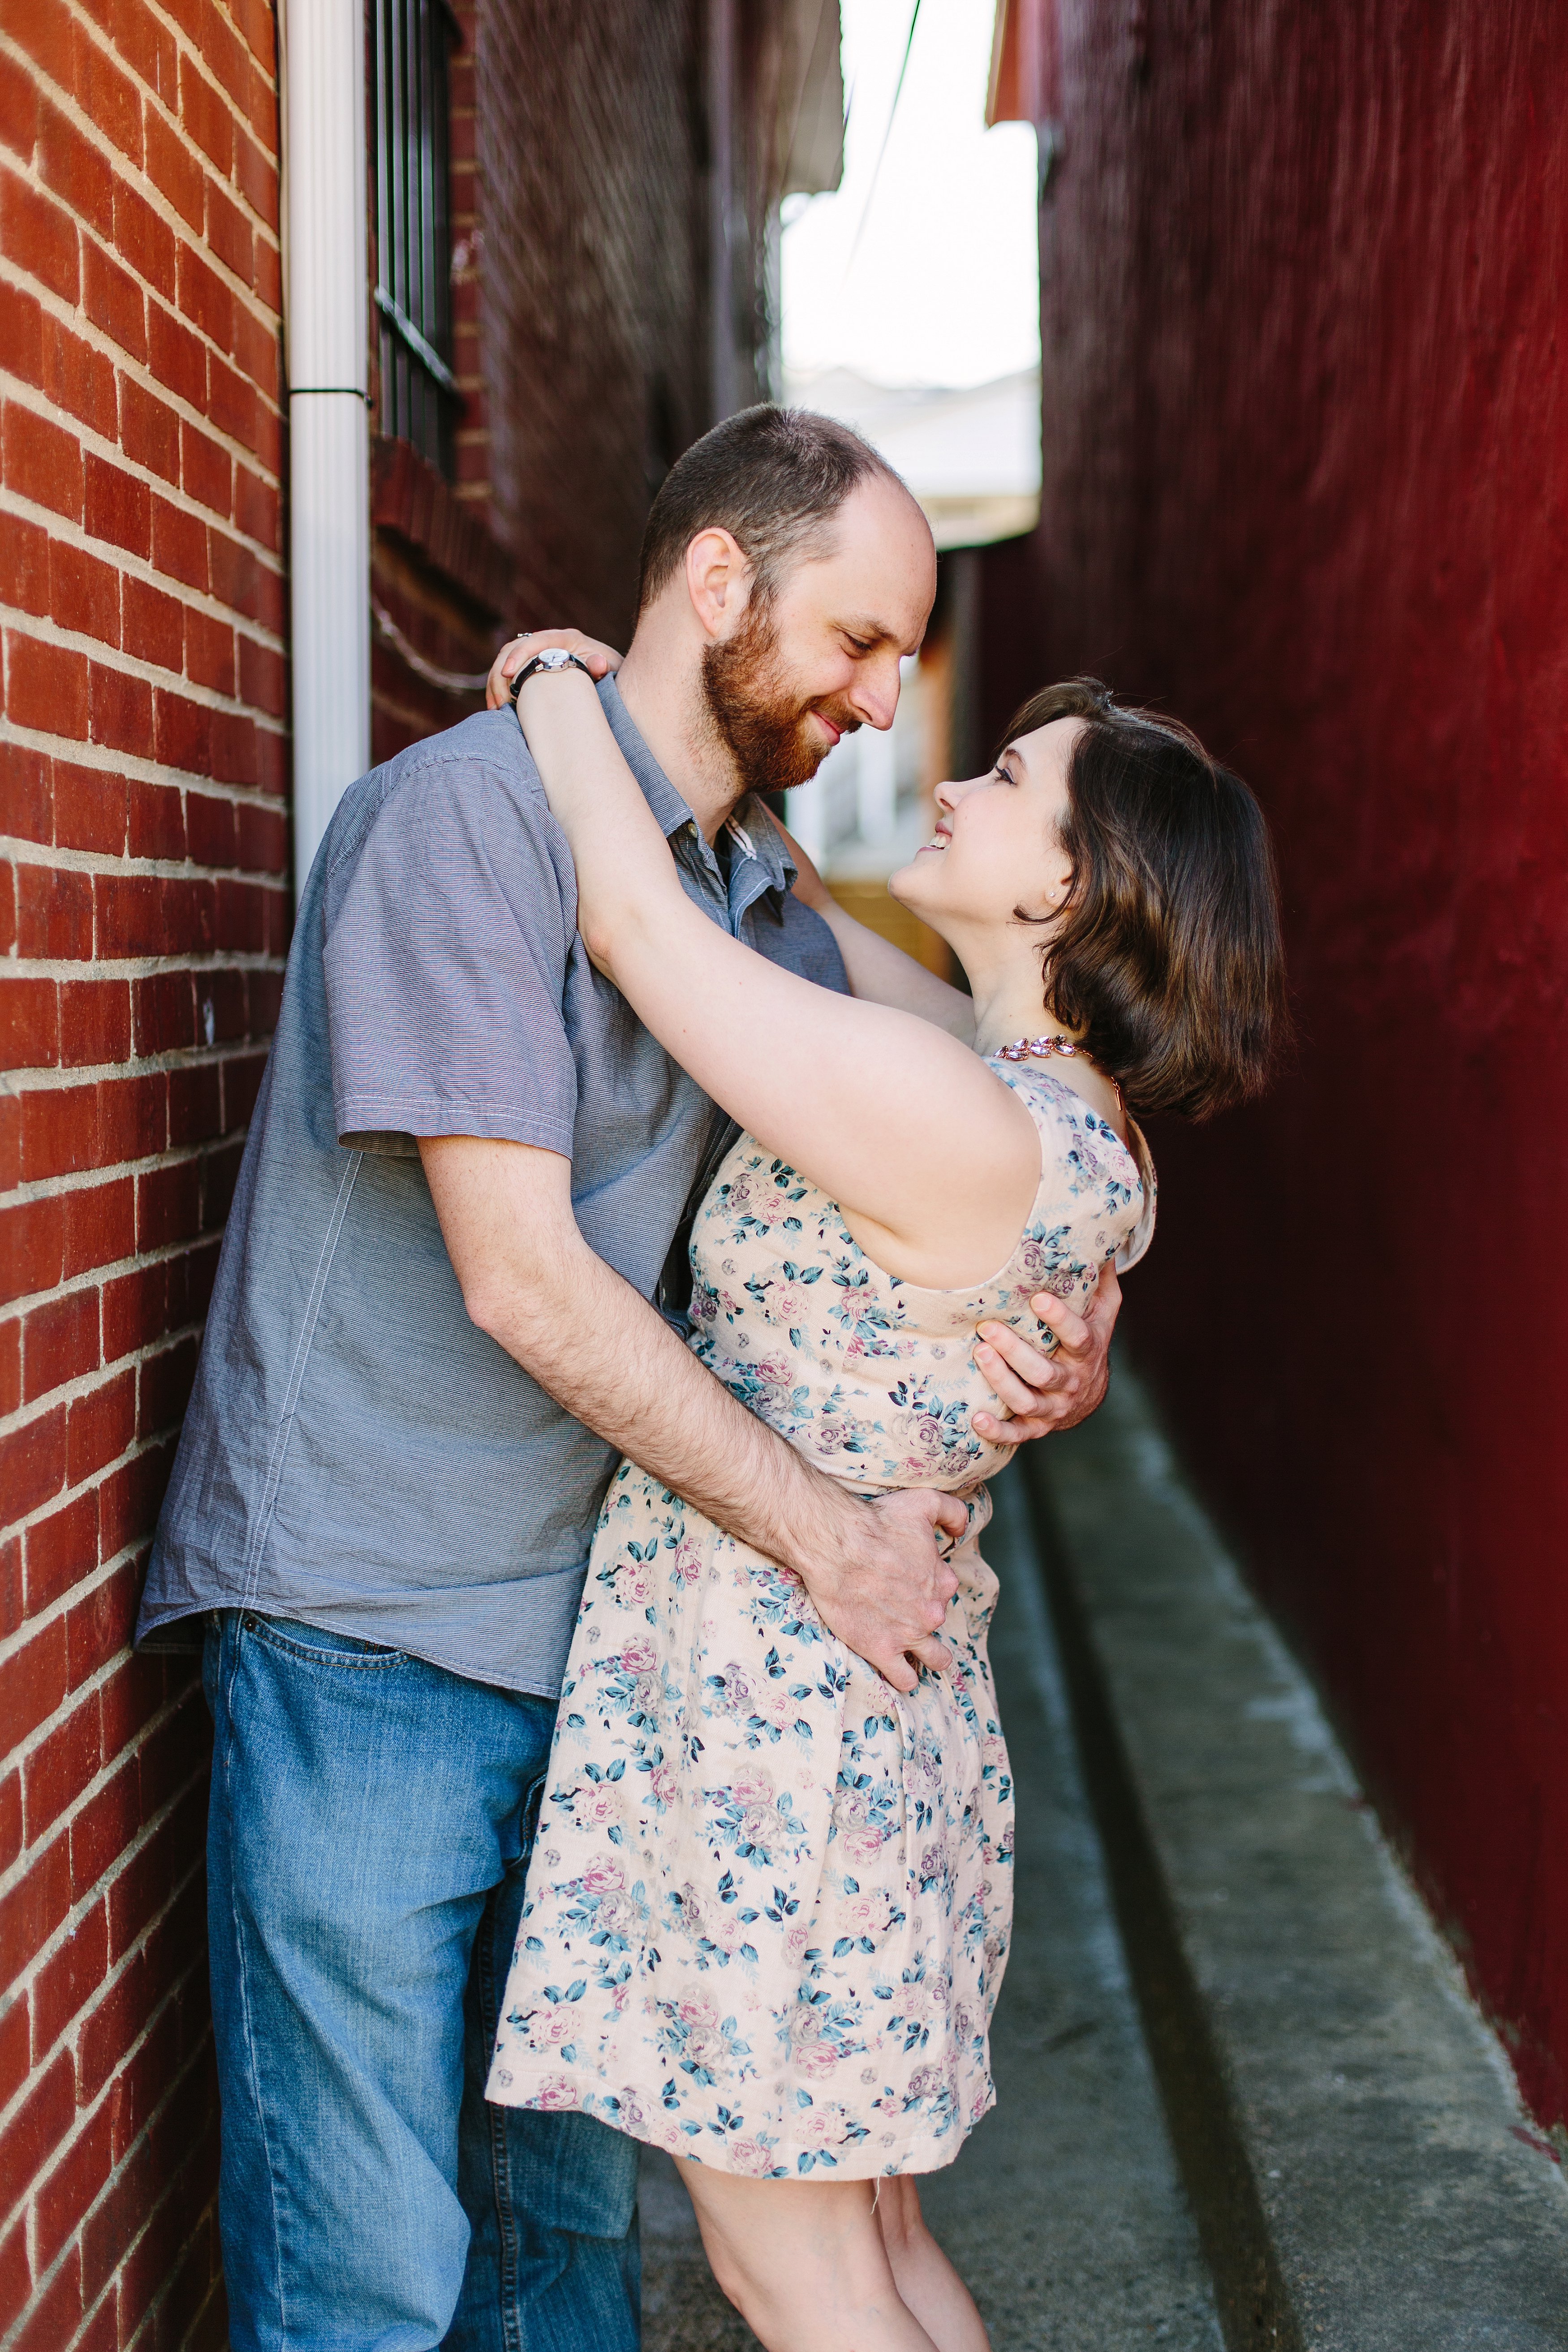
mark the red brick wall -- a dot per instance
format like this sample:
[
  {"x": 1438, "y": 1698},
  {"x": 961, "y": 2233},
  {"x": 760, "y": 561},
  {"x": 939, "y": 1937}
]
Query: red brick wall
[
  {"x": 1305, "y": 476},
  {"x": 143, "y": 910},
  {"x": 145, "y": 904}
]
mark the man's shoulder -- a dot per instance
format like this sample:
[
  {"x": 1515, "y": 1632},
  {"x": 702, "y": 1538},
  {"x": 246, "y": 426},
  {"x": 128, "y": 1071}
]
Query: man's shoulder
[
  {"x": 481, "y": 753},
  {"x": 469, "y": 771}
]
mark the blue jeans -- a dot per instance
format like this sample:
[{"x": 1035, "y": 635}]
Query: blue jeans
[{"x": 370, "y": 1826}]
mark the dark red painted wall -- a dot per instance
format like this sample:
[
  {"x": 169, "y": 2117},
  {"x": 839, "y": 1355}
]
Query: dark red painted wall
[{"x": 1304, "y": 272}]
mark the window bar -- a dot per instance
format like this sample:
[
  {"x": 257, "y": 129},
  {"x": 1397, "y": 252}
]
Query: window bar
[{"x": 412, "y": 295}]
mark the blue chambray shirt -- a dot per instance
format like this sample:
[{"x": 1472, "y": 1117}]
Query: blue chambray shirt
[{"x": 356, "y": 1454}]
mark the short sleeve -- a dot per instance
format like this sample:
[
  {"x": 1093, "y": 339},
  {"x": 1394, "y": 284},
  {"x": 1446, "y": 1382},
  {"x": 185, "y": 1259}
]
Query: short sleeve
[{"x": 447, "y": 928}]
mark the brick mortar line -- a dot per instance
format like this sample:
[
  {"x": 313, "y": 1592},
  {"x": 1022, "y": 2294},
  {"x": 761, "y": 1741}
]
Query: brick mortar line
[
  {"x": 47, "y": 1077},
  {"x": 149, "y": 968},
  {"x": 111, "y": 2286},
  {"x": 137, "y": 175},
  {"x": 66, "y": 969},
  {"x": 104, "y": 759},
  {"x": 83, "y": 1179},
  {"x": 112, "y": 1270},
  {"x": 99, "y": 341},
  {"x": 98, "y": 445},
  {"x": 70, "y": 1393},
  {"x": 27, "y": 1861},
  {"x": 53, "y": 633},
  {"x": 44, "y": 629},
  {"x": 144, "y": 1832},
  {"x": 181, "y": 40},
  {"x": 83, "y": 2115},
  {"x": 125, "y": 560},
  {"x": 85, "y": 753},
  {"x": 123, "y": 866},
  {"x": 60, "y": 1827},
  {"x": 21, "y": 1869},
  {"x": 147, "y": 2326},
  {"x": 106, "y": 1571},
  {"x": 208, "y": 965},
  {"x": 81, "y": 1386}
]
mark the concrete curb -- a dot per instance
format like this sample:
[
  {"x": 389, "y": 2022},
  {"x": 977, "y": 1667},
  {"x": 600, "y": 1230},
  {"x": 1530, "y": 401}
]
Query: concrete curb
[{"x": 1363, "y": 2177}]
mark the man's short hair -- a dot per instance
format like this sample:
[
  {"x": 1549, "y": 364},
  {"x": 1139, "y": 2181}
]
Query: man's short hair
[{"x": 773, "y": 477}]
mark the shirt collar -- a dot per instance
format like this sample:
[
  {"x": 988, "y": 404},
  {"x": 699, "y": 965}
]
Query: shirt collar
[{"x": 752, "y": 834}]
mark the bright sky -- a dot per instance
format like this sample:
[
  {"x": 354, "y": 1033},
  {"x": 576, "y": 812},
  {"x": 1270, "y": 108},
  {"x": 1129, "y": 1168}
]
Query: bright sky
[{"x": 944, "y": 287}]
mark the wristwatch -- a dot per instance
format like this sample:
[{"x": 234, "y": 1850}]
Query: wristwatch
[{"x": 553, "y": 658}]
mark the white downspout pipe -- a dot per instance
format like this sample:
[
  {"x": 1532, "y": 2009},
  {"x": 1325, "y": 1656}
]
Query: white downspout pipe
[{"x": 326, "y": 315}]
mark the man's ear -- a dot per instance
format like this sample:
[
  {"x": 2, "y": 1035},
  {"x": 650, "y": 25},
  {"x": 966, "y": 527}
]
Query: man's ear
[{"x": 718, "y": 580}]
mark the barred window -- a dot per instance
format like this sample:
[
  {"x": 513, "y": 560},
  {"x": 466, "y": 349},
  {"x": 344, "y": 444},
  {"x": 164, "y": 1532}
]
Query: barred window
[{"x": 420, "y": 398}]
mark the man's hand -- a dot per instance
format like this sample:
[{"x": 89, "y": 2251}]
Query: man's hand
[
  {"x": 595, "y": 656},
  {"x": 874, "y": 1571},
  {"x": 1045, "y": 1393},
  {"x": 885, "y": 1592}
]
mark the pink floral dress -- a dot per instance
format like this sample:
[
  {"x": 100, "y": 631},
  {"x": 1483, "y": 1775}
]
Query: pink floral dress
[{"x": 769, "y": 1899}]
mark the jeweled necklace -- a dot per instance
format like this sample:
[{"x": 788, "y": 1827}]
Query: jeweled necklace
[{"x": 1022, "y": 1047}]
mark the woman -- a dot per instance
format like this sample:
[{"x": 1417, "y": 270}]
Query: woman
[{"x": 768, "y": 1897}]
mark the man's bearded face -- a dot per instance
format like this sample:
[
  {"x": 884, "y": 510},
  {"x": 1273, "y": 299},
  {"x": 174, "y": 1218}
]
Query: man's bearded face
[{"x": 761, "y": 715}]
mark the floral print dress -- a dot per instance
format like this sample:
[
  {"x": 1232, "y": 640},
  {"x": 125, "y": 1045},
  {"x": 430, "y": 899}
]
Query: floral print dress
[{"x": 769, "y": 1899}]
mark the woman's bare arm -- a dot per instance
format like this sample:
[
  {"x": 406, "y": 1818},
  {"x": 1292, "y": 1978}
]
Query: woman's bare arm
[
  {"x": 933, "y": 1161},
  {"x": 879, "y": 972}
]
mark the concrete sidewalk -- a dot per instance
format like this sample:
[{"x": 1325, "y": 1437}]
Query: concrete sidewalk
[
  {"x": 1363, "y": 2176},
  {"x": 1064, "y": 2211}
]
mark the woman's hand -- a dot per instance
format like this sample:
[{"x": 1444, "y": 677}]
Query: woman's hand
[{"x": 600, "y": 660}]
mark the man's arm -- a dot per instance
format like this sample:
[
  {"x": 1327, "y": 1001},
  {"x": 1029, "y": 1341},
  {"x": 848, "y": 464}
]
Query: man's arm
[{"x": 531, "y": 1282}]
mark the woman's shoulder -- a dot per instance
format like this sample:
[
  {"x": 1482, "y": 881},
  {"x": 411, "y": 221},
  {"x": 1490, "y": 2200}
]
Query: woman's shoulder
[{"x": 1089, "y": 1173}]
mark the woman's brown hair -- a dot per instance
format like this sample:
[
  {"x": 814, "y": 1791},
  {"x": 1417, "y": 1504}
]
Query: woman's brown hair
[{"x": 1167, "y": 961}]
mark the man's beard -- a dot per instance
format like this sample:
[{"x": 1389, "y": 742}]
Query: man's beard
[{"x": 762, "y": 721}]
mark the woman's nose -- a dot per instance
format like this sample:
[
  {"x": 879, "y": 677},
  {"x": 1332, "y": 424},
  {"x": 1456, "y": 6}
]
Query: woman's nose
[{"x": 948, "y": 795}]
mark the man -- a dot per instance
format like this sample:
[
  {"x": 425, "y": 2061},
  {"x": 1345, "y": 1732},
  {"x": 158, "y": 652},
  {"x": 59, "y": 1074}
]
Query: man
[{"x": 431, "y": 1337}]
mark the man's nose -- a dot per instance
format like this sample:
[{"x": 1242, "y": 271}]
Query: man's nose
[{"x": 874, "y": 696}]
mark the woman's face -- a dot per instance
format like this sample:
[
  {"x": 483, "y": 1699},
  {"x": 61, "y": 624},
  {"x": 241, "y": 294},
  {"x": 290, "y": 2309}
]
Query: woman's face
[{"x": 997, "y": 843}]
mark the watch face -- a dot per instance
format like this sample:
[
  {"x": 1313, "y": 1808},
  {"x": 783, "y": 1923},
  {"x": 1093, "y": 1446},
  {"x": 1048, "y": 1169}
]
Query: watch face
[{"x": 554, "y": 657}]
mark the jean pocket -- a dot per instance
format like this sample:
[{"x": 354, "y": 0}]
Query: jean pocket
[{"x": 315, "y": 1645}]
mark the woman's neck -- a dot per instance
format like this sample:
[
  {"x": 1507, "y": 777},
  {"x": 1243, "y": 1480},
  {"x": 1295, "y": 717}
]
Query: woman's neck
[{"x": 1008, "y": 1006}]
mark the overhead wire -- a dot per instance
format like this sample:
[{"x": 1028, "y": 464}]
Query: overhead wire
[{"x": 887, "y": 134}]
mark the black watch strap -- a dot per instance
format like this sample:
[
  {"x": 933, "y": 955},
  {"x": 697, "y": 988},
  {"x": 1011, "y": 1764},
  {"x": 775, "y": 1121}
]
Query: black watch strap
[{"x": 538, "y": 662}]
